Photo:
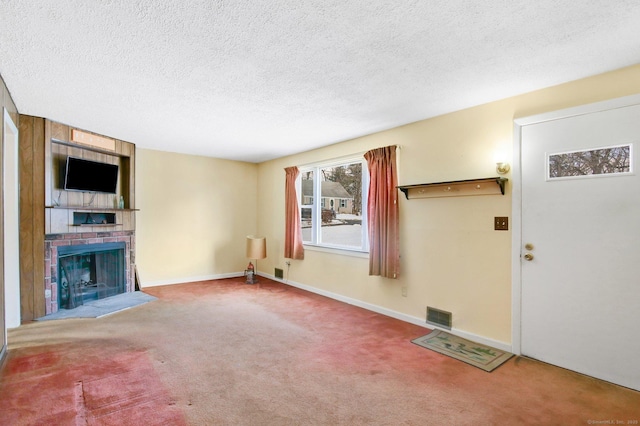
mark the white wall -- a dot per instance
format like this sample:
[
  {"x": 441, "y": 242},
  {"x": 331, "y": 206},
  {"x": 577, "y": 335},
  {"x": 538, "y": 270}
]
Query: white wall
[{"x": 11, "y": 224}]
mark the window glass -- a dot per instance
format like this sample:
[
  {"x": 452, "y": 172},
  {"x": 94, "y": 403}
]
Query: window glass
[
  {"x": 586, "y": 163},
  {"x": 336, "y": 219},
  {"x": 306, "y": 206}
]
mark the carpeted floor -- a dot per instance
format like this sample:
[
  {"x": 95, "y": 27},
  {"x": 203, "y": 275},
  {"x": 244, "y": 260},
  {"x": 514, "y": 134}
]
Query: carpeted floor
[{"x": 222, "y": 352}]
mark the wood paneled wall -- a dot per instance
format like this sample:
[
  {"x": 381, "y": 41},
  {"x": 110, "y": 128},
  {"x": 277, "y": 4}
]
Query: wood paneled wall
[
  {"x": 31, "y": 159},
  {"x": 55, "y": 155}
]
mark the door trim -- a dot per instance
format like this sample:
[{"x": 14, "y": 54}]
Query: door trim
[
  {"x": 516, "y": 198},
  {"x": 11, "y": 230}
]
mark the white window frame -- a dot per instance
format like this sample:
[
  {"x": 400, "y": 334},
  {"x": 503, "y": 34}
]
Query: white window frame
[{"x": 316, "y": 213}]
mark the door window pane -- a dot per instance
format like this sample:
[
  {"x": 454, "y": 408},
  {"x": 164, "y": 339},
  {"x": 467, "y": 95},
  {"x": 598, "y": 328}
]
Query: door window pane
[{"x": 602, "y": 161}]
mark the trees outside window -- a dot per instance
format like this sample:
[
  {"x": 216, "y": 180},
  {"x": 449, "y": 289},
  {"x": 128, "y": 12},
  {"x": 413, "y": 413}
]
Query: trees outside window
[{"x": 612, "y": 160}]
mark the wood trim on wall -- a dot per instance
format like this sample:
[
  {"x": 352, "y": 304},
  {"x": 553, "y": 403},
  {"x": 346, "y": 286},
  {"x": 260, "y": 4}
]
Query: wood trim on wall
[{"x": 32, "y": 223}]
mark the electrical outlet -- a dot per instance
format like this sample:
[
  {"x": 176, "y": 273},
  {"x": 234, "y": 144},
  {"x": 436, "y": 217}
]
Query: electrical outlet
[
  {"x": 501, "y": 223},
  {"x": 404, "y": 291},
  {"x": 288, "y": 263},
  {"x": 47, "y": 294}
]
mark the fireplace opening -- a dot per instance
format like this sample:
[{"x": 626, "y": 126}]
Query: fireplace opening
[{"x": 90, "y": 272}]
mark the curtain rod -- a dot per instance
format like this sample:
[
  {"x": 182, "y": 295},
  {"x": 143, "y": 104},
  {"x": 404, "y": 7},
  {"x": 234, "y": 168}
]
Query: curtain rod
[{"x": 344, "y": 157}]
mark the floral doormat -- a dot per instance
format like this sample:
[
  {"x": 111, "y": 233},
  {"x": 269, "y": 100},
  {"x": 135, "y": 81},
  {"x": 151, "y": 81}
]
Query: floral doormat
[{"x": 481, "y": 356}]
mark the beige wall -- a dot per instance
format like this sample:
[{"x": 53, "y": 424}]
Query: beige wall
[
  {"x": 195, "y": 213},
  {"x": 452, "y": 259}
]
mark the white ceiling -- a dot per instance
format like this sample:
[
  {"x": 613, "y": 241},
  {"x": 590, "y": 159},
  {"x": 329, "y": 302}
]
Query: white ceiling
[{"x": 255, "y": 80}]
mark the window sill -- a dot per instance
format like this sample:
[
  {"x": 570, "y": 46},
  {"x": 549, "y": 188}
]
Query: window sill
[{"x": 343, "y": 252}]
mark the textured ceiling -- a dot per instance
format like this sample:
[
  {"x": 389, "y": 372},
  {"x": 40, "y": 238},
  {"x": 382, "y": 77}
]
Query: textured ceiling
[{"x": 255, "y": 80}]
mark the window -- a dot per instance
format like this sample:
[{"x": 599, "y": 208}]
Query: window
[
  {"x": 614, "y": 160},
  {"x": 336, "y": 217}
]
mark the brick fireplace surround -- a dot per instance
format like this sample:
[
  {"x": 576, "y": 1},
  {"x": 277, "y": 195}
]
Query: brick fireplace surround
[{"x": 53, "y": 241}]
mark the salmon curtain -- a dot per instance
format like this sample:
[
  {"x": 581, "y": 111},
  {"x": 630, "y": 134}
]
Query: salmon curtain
[
  {"x": 293, "y": 228},
  {"x": 382, "y": 213}
]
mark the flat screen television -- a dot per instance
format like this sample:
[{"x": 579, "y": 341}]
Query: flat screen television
[{"x": 90, "y": 176}]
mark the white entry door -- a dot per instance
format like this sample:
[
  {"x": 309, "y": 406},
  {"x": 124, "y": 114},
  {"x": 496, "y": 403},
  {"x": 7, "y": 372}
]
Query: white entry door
[{"x": 580, "y": 237}]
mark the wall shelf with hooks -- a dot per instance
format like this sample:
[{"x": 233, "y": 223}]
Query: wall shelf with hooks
[{"x": 457, "y": 188}]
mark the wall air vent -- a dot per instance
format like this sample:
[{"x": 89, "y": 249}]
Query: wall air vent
[
  {"x": 439, "y": 317},
  {"x": 278, "y": 273}
]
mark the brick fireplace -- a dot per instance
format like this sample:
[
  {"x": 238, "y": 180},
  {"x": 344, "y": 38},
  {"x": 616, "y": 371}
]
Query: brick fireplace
[{"x": 83, "y": 243}]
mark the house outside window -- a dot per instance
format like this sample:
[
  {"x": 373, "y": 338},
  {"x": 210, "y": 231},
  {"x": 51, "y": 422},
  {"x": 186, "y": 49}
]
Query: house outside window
[{"x": 336, "y": 217}]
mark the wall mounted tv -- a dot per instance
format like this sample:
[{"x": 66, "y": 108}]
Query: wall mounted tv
[{"x": 90, "y": 176}]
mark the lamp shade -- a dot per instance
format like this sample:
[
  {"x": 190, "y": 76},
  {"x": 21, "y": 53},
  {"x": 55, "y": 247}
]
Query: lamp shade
[{"x": 256, "y": 247}]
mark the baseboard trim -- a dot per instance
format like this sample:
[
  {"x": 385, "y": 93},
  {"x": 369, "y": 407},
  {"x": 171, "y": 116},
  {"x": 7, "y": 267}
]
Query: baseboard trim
[
  {"x": 393, "y": 314},
  {"x": 190, "y": 279}
]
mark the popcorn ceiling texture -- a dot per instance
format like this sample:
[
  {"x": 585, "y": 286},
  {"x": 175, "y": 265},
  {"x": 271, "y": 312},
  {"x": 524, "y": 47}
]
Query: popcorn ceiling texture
[{"x": 254, "y": 80}]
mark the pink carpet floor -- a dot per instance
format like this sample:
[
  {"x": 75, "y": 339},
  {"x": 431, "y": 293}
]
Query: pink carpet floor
[{"x": 226, "y": 353}]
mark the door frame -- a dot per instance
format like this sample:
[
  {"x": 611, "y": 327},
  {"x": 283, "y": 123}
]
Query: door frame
[
  {"x": 8, "y": 128},
  {"x": 516, "y": 198},
  {"x": 11, "y": 237}
]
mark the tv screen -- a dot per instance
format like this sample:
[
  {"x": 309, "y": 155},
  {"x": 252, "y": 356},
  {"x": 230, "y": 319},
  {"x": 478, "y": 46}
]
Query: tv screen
[{"x": 90, "y": 176}]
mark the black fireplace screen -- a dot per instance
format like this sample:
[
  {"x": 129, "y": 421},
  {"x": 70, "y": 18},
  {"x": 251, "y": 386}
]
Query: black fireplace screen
[{"x": 90, "y": 272}]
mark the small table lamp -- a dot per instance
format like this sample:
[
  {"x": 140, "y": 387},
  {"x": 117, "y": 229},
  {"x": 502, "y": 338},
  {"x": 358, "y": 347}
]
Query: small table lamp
[{"x": 256, "y": 249}]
